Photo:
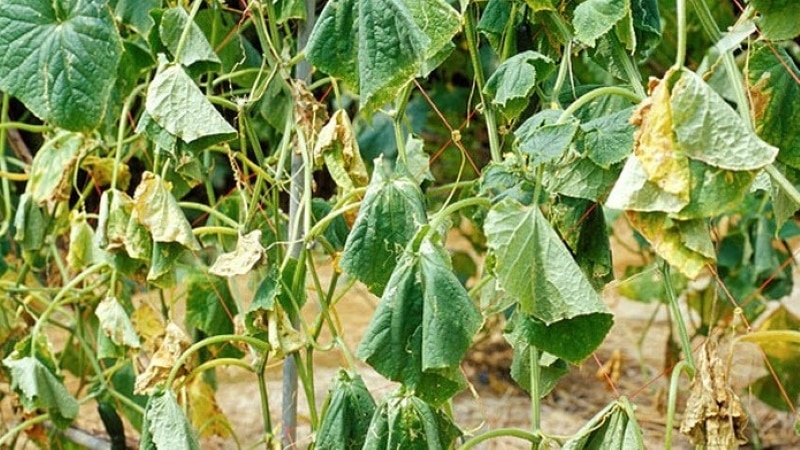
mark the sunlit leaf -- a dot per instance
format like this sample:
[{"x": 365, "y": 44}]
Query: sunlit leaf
[
  {"x": 39, "y": 388},
  {"x": 534, "y": 267},
  {"x": 196, "y": 47},
  {"x": 59, "y": 58},
  {"x": 53, "y": 168},
  {"x": 157, "y": 209},
  {"x": 178, "y": 105},
  {"x": 423, "y": 326},
  {"x": 594, "y": 18},
  {"x": 684, "y": 244},
  {"x": 390, "y": 213},
  {"x": 347, "y": 414},
  {"x": 116, "y": 324},
  {"x": 165, "y": 425},
  {"x": 242, "y": 259}
]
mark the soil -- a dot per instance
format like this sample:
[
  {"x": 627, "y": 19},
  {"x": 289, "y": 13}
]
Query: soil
[{"x": 632, "y": 357}]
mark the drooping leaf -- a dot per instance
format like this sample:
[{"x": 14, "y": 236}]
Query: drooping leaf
[
  {"x": 506, "y": 180},
  {"x": 165, "y": 425},
  {"x": 772, "y": 85},
  {"x": 175, "y": 103},
  {"x": 210, "y": 308},
  {"x": 241, "y": 260},
  {"x": 511, "y": 85},
  {"x": 646, "y": 25},
  {"x": 157, "y": 209},
  {"x": 494, "y": 21},
  {"x": 707, "y": 129},
  {"x": 390, "y": 213},
  {"x": 337, "y": 147},
  {"x": 534, "y": 267},
  {"x": 377, "y": 46},
  {"x": 714, "y": 416},
  {"x": 267, "y": 318},
  {"x": 582, "y": 178},
  {"x": 615, "y": 426},
  {"x": 594, "y": 18},
  {"x": 423, "y": 326},
  {"x": 174, "y": 343},
  {"x": 29, "y": 223},
  {"x": 633, "y": 191},
  {"x": 346, "y": 415},
  {"x": 684, "y": 244},
  {"x": 551, "y": 368},
  {"x": 53, "y": 168},
  {"x": 39, "y": 388},
  {"x": 196, "y": 48},
  {"x": 102, "y": 171},
  {"x": 59, "y": 58},
  {"x": 82, "y": 250},
  {"x": 136, "y": 14},
  {"x": 582, "y": 225},
  {"x": 778, "y": 18},
  {"x": 418, "y": 163},
  {"x": 407, "y": 422},
  {"x": 116, "y": 324}
]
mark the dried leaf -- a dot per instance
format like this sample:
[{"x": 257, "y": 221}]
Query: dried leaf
[
  {"x": 175, "y": 342},
  {"x": 248, "y": 253},
  {"x": 338, "y": 149},
  {"x": 149, "y": 326},
  {"x": 204, "y": 413},
  {"x": 714, "y": 417},
  {"x": 116, "y": 324}
]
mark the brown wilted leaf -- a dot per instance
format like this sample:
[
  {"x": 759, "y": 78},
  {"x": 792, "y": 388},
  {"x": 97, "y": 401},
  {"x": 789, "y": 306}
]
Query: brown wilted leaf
[
  {"x": 611, "y": 370},
  {"x": 174, "y": 344},
  {"x": 714, "y": 417}
]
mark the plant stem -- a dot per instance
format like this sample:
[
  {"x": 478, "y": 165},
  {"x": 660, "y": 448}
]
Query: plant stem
[
  {"x": 218, "y": 339},
  {"x": 263, "y": 394},
  {"x": 675, "y": 311},
  {"x": 500, "y": 432},
  {"x": 536, "y": 401},
  {"x": 563, "y": 69},
  {"x": 21, "y": 427},
  {"x": 593, "y": 94},
  {"x": 6, "y": 187},
  {"x": 477, "y": 67},
  {"x": 628, "y": 65},
  {"x": 4, "y": 125},
  {"x": 187, "y": 29},
  {"x": 211, "y": 211},
  {"x": 682, "y": 366},
  {"x": 680, "y": 54}
]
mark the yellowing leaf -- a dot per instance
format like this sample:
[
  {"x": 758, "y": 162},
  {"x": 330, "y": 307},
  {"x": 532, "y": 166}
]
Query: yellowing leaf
[
  {"x": 53, "y": 168},
  {"x": 684, "y": 244},
  {"x": 174, "y": 344},
  {"x": 204, "y": 413},
  {"x": 102, "y": 171},
  {"x": 148, "y": 325},
  {"x": 157, "y": 209},
  {"x": 337, "y": 147},
  {"x": 654, "y": 147},
  {"x": 116, "y": 324},
  {"x": 248, "y": 253}
]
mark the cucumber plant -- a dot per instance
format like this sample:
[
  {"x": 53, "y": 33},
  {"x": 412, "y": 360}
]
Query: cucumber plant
[{"x": 174, "y": 175}]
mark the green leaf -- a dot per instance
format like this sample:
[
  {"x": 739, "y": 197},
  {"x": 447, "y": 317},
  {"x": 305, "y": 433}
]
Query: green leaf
[
  {"x": 116, "y": 324},
  {"x": 197, "y": 47},
  {"x": 534, "y": 267},
  {"x": 506, "y": 180},
  {"x": 778, "y": 18},
  {"x": 607, "y": 140},
  {"x": 707, "y": 129},
  {"x": 390, "y": 213},
  {"x": 494, "y": 21},
  {"x": 166, "y": 426},
  {"x": 247, "y": 254},
  {"x": 59, "y": 58},
  {"x": 162, "y": 263},
  {"x": 646, "y": 25},
  {"x": 136, "y": 14},
  {"x": 423, "y": 326},
  {"x": 209, "y": 304},
  {"x": 511, "y": 85},
  {"x": 582, "y": 178},
  {"x": 53, "y": 168},
  {"x": 403, "y": 421},
  {"x": 594, "y": 18},
  {"x": 551, "y": 368},
  {"x": 347, "y": 414},
  {"x": 158, "y": 211},
  {"x": 377, "y": 46},
  {"x": 29, "y": 224},
  {"x": 39, "y": 388},
  {"x": 615, "y": 426},
  {"x": 773, "y": 89},
  {"x": 418, "y": 162},
  {"x": 633, "y": 191},
  {"x": 82, "y": 249},
  {"x": 178, "y": 105},
  {"x": 582, "y": 225},
  {"x": 543, "y": 139}
]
